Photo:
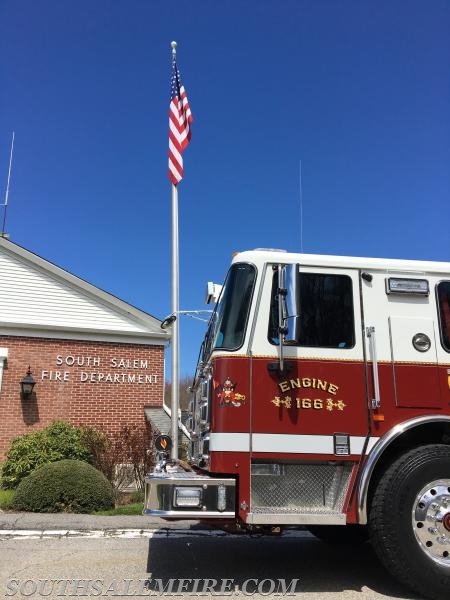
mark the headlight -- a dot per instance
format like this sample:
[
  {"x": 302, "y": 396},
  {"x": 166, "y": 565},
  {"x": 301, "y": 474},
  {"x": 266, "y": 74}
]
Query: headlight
[{"x": 187, "y": 497}]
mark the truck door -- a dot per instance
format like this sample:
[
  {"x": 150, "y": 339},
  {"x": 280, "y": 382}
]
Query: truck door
[
  {"x": 314, "y": 412},
  {"x": 400, "y": 311}
]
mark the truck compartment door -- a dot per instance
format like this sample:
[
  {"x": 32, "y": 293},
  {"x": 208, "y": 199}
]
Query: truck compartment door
[{"x": 414, "y": 362}]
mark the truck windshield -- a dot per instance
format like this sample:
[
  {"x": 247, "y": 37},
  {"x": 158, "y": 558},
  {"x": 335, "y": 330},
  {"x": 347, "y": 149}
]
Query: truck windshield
[{"x": 229, "y": 319}]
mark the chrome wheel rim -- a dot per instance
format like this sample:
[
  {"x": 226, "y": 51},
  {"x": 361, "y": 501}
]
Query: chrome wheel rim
[{"x": 431, "y": 520}]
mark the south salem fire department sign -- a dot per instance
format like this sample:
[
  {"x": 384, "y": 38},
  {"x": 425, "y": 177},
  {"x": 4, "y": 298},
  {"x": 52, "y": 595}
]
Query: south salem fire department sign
[{"x": 95, "y": 369}]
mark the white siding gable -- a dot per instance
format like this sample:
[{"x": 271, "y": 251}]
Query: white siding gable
[{"x": 39, "y": 296}]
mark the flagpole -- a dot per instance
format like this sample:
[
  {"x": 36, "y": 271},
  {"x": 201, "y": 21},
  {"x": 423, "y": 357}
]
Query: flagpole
[{"x": 175, "y": 311}]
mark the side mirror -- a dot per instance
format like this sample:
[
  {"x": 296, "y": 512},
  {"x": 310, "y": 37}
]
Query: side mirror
[
  {"x": 288, "y": 306},
  {"x": 212, "y": 292},
  {"x": 292, "y": 321}
]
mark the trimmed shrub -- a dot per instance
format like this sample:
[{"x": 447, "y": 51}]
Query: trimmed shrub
[
  {"x": 64, "y": 486},
  {"x": 27, "y": 452}
]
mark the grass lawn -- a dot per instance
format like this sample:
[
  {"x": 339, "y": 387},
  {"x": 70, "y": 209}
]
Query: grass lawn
[
  {"x": 126, "y": 509},
  {"x": 6, "y": 498}
]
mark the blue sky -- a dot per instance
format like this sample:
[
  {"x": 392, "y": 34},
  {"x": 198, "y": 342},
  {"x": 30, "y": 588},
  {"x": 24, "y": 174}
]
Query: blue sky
[{"x": 358, "y": 91}]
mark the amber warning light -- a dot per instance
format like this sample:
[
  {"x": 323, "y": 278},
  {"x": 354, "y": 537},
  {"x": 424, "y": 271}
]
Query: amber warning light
[{"x": 163, "y": 443}]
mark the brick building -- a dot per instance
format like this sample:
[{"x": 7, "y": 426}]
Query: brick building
[{"x": 96, "y": 360}]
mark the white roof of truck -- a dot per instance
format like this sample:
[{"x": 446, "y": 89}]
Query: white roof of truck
[{"x": 387, "y": 265}]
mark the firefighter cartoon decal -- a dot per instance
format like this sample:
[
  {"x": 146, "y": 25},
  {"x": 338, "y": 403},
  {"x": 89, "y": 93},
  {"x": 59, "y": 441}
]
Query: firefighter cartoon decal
[{"x": 228, "y": 396}]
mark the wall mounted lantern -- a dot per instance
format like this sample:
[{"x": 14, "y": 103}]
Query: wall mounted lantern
[{"x": 27, "y": 384}]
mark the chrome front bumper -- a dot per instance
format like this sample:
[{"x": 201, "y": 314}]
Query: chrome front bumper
[{"x": 187, "y": 495}]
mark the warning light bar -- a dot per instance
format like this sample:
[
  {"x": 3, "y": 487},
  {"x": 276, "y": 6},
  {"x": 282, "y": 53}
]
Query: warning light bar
[{"x": 396, "y": 285}]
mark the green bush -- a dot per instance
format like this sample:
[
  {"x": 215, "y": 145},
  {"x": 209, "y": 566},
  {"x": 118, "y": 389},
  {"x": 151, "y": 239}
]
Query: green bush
[
  {"x": 64, "y": 486},
  {"x": 137, "y": 497},
  {"x": 27, "y": 452},
  {"x": 6, "y": 499}
]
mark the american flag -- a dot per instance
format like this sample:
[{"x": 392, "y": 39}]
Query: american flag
[{"x": 180, "y": 118}]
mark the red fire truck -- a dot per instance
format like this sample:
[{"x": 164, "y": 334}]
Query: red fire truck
[{"x": 322, "y": 400}]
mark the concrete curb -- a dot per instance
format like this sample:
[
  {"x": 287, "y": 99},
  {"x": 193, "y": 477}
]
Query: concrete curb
[
  {"x": 108, "y": 533},
  {"x": 63, "y": 524},
  {"x": 20, "y": 534},
  {"x": 68, "y": 525}
]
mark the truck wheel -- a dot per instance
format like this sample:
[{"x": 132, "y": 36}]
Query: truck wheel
[
  {"x": 409, "y": 520},
  {"x": 340, "y": 534}
]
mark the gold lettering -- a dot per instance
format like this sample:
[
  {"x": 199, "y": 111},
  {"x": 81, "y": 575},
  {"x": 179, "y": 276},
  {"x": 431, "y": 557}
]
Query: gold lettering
[
  {"x": 322, "y": 385},
  {"x": 284, "y": 386},
  {"x": 307, "y": 403}
]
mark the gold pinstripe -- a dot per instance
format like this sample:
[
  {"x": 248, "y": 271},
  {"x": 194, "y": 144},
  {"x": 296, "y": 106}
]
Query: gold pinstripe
[{"x": 322, "y": 359}]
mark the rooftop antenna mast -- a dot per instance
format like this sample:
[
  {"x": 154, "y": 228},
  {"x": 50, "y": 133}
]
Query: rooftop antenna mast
[
  {"x": 5, "y": 205},
  {"x": 301, "y": 206}
]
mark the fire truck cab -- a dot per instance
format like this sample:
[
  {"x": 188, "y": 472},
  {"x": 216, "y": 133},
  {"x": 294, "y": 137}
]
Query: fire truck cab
[{"x": 322, "y": 399}]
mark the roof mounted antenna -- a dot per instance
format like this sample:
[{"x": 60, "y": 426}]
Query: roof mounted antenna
[
  {"x": 301, "y": 205},
  {"x": 5, "y": 205}
]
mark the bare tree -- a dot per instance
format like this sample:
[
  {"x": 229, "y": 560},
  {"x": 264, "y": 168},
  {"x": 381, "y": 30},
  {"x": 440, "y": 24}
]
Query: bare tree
[{"x": 184, "y": 393}]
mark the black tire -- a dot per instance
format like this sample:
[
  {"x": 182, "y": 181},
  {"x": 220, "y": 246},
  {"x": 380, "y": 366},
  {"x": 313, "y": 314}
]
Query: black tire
[
  {"x": 340, "y": 534},
  {"x": 408, "y": 496}
]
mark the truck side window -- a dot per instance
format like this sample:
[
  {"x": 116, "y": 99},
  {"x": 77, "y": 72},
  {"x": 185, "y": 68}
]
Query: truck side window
[
  {"x": 443, "y": 293},
  {"x": 326, "y": 311},
  {"x": 231, "y": 314}
]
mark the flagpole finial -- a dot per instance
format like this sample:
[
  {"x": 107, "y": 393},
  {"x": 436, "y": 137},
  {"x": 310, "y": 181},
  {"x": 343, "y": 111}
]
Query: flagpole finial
[{"x": 174, "y": 48}]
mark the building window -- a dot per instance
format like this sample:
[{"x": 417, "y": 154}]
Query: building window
[{"x": 443, "y": 294}]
